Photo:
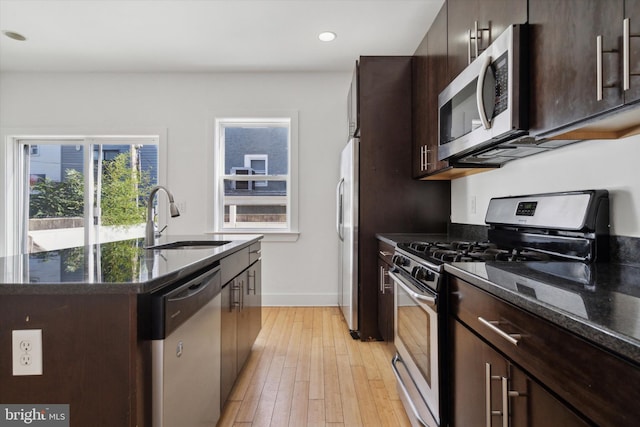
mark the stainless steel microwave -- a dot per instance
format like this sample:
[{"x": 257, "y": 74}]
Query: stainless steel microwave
[{"x": 486, "y": 105}]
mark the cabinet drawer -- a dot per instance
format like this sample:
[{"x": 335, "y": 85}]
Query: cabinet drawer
[
  {"x": 255, "y": 252},
  {"x": 598, "y": 384},
  {"x": 232, "y": 265},
  {"x": 385, "y": 251}
]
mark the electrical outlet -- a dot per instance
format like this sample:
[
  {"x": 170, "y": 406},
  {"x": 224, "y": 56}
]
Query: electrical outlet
[
  {"x": 472, "y": 205},
  {"x": 27, "y": 352}
]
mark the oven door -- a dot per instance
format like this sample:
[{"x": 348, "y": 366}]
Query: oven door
[{"x": 416, "y": 340}]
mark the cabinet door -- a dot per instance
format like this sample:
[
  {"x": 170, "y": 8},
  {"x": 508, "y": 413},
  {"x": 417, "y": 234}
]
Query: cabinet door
[
  {"x": 632, "y": 12},
  {"x": 385, "y": 302},
  {"x": 253, "y": 302},
  {"x": 487, "y": 388},
  {"x": 564, "y": 67},
  {"x": 228, "y": 340},
  {"x": 473, "y": 362},
  {"x": 461, "y": 15},
  {"x": 494, "y": 16},
  {"x": 490, "y": 17},
  {"x": 352, "y": 105},
  {"x": 531, "y": 405},
  {"x": 438, "y": 80},
  {"x": 430, "y": 77},
  {"x": 244, "y": 320}
]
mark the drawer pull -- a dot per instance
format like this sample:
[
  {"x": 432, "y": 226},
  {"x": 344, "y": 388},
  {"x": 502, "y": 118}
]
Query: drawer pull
[
  {"x": 492, "y": 324},
  {"x": 385, "y": 253}
]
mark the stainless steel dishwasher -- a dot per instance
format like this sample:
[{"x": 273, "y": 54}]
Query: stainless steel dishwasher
[{"x": 185, "y": 350}]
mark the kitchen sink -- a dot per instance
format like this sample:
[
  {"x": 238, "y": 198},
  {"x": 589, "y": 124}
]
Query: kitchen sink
[{"x": 190, "y": 244}]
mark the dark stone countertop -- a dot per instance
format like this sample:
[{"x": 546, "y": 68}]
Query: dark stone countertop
[
  {"x": 598, "y": 302},
  {"x": 114, "y": 267}
]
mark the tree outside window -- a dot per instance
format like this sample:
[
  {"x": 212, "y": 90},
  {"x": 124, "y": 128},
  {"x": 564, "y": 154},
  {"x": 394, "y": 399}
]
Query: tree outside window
[{"x": 57, "y": 188}]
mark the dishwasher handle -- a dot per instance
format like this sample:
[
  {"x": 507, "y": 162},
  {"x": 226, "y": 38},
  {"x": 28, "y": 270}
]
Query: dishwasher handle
[
  {"x": 172, "y": 308},
  {"x": 192, "y": 288}
]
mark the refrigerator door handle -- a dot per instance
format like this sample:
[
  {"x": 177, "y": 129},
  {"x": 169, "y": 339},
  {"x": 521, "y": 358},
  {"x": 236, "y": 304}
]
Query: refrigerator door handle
[{"x": 339, "y": 209}]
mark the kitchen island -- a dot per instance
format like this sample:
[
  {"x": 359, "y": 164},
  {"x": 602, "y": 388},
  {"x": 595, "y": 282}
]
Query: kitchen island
[{"x": 91, "y": 305}]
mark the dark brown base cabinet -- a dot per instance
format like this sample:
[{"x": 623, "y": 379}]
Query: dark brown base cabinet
[
  {"x": 486, "y": 388},
  {"x": 385, "y": 292},
  {"x": 552, "y": 377},
  {"x": 241, "y": 321}
]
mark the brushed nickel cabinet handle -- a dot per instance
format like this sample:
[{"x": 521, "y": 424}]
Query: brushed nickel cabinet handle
[
  {"x": 599, "y": 74},
  {"x": 626, "y": 59},
  {"x": 468, "y": 47},
  {"x": 477, "y": 37},
  {"x": 489, "y": 413},
  {"x": 492, "y": 324},
  {"x": 625, "y": 54},
  {"x": 505, "y": 402}
]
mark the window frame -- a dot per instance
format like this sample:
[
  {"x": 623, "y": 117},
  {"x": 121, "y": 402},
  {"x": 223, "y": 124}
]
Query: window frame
[
  {"x": 258, "y": 119},
  {"x": 14, "y": 199}
]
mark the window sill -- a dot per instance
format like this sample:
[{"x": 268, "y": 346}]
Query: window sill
[{"x": 269, "y": 236}]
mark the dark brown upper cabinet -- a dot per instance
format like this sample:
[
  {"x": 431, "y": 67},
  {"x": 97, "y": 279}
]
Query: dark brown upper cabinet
[
  {"x": 353, "y": 112},
  {"x": 585, "y": 58},
  {"x": 474, "y": 24},
  {"x": 632, "y": 15},
  {"x": 429, "y": 78},
  {"x": 431, "y": 74},
  {"x": 568, "y": 84}
]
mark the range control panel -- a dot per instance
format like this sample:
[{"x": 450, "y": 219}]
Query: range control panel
[{"x": 526, "y": 208}]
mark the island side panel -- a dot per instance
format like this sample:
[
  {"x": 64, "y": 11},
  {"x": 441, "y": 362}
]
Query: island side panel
[{"x": 89, "y": 346}]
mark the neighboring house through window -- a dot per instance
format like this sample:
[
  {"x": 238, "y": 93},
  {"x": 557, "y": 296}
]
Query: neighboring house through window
[{"x": 256, "y": 180}]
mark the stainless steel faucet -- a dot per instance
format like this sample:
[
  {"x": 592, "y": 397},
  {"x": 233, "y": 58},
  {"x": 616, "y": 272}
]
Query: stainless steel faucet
[{"x": 151, "y": 232}]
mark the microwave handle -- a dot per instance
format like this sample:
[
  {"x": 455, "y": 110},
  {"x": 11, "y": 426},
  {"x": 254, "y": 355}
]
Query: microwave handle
[{"x": 479, "y": 91}]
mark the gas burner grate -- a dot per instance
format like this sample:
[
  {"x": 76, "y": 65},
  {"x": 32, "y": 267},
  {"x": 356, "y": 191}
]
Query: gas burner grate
[{"x": 469, "y": 251}]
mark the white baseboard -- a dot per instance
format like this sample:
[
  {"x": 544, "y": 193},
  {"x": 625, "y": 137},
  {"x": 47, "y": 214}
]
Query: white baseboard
[{"x": 300, "y": 300}]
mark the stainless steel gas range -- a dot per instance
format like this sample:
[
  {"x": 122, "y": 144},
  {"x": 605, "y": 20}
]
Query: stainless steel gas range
[{"x": 566, "y": 232}]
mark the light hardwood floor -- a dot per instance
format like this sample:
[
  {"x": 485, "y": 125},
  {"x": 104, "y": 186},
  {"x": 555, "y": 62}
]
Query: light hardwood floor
[{"x": 306, "y": 370}]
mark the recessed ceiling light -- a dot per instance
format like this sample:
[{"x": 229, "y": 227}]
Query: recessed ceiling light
[
  {"x": 14, "y": 35},
  {"x": 327, "y": 36}
]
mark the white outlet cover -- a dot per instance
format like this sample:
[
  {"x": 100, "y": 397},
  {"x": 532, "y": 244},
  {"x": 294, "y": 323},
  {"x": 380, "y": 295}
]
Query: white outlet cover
[{"x": 26, "y": 346}]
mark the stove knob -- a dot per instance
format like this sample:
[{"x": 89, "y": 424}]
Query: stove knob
[{"x": 430, "y": 275}]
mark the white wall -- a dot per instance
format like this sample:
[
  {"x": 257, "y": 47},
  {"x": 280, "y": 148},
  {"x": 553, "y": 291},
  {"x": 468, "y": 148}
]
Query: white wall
[
  {"x": 607, "y": 164},
  {"x": 300, "y": 273}
]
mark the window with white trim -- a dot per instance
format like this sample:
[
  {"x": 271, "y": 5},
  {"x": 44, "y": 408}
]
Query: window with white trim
[
  {"x": 255, "y": 186},
  {"x": 82, "y": 190}
]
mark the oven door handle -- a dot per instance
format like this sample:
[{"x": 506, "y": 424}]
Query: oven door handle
[
  {"x": 400, "y": 382},
  {"x": 430, "y": 300}
]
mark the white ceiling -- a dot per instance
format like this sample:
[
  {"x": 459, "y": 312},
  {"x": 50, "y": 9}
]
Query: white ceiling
[{"x": 207, "y": 35}]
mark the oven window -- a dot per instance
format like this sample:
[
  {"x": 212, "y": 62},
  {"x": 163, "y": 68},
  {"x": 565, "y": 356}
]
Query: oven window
[{"x": 414, "y": 329}]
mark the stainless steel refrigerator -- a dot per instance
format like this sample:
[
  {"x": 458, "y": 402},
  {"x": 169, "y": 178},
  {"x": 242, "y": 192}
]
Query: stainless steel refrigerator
[{"x": 347, "y": 228}]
